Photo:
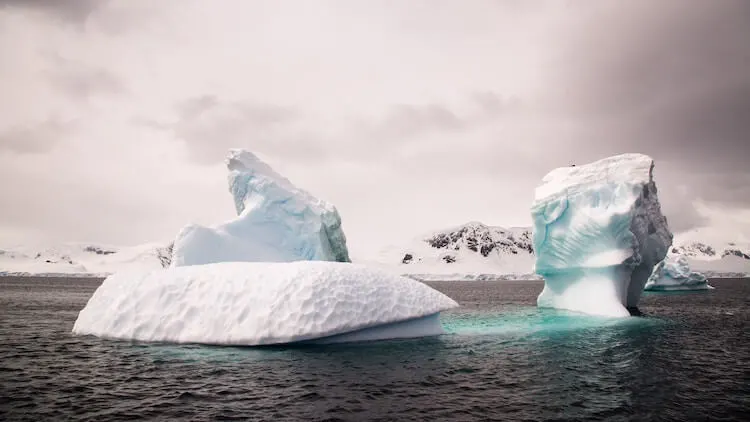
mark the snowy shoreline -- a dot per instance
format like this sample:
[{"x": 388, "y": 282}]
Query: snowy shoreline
[{"x": 418, "y": 277}]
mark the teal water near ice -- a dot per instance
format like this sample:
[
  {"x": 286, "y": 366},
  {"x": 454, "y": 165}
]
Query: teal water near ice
[{"x": 687, "y": 358}]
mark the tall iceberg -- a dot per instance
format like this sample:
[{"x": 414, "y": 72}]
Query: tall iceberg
[
  {"x": 276, "y": 222},
  {"x": 673, "y": 273},
  {"x": 598, "y": 232}
]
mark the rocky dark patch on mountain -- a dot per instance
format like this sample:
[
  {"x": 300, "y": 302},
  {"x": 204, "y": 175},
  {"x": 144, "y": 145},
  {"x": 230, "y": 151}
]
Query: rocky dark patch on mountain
[
  {"x": 165, "y": 255},
  {"x": 475, "y": 239},
  {"x": 98, "y": 250},
  {"x": 449, "y": 259},
  {"x": 735, "y": 252},
  {"x": 483, "y": 239}
]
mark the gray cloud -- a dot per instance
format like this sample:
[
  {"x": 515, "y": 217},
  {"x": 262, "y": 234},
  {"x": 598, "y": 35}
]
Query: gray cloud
[
  {"x": 254, "y": 114},
  {"x": 75, "y": 11},
  {"x": 210, "y": 125},
  {"x": 544, "y": 84},
  {"x": 661, "y": 78},
  {"x": 59, "y": 205},
  {"x": 683, "y": 219},
  {"x": 731, "y": 188},
  {"x": 34, "y": 139},
  {"x": 431, "y": 130},
  {"x": 405, "y": 121},
  {"x": 493, "y": 105},
  {"x": 78, "y": 81},
  {"x": 668, "y": 77},
  {"x": 677, "y": 194}
]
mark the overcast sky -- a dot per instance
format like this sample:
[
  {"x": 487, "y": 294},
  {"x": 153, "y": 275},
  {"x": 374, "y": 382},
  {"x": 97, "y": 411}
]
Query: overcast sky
[{"x": 409, "y": 116}]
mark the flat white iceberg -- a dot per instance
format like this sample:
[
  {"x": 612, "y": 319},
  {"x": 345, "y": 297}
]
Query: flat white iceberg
[
  {"x": 240, "y": 303},
  {"x": 276, "y": 222},
  {"x": 673, "y": 273},
  {"x": 598, "y": 232}
]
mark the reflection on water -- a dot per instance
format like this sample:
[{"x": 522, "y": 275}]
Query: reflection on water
[{"x": 529, "y": 321}]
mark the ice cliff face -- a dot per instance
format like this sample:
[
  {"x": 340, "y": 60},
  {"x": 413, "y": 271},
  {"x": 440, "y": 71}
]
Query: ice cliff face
[
  {"x": 598, "y": 232},
  {"x": 673, "y": 273},
  {"x": 277, "y": 222}
]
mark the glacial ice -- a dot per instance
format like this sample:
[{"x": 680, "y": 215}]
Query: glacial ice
[
  {"x": 244, "y": 303},
  {"x": 673, "y": 273},
  {"x": 277, "y": 222},
  {"x": 598, "y": 232}
]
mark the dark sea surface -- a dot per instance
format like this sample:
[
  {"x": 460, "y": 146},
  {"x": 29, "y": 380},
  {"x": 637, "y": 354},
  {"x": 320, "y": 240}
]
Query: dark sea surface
[{"x": 687, "y": 358}]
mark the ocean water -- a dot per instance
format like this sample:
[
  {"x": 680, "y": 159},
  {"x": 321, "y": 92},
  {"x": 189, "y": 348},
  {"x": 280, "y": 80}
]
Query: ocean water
[{"x": 686, "y": 358}]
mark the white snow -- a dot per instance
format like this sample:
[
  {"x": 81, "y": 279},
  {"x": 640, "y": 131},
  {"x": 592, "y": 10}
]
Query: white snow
[
  {"x": 82, "y": 259},
  {"x": 510, "y": 261},
  {"x": 243, "y": 303},
  {"x": 277, "y": 222},
  {"x": 674, "y": 273},
  {"x": 598, "y": 232},
  {"x": 712, "y": 253},
  {"x": 427, "y": 264},
  {"x": 471, "y": 251}
]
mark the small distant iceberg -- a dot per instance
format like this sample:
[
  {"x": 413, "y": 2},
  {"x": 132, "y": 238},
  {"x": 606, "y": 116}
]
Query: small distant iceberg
[
  {"x": 674, "y": 274},
  {"x": 258, "y": 303}
]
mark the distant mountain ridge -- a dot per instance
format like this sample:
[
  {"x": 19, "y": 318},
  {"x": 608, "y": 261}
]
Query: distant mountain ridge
[
  {"x": 705, "y": 251},
  {"x": 472, "y": 251},
  {"x": 476, "y": 251},
  {"x": 83, "y": 259},
  {"x": 481, "y": 239}
]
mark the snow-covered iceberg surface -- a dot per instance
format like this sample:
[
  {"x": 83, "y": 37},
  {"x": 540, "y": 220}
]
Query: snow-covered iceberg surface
[
  {"x": 277, "y": 222},
  {"x": 241, "y": 303},
  {"x": 673, "y": 273},
  {"x": 598, "y": 232}
]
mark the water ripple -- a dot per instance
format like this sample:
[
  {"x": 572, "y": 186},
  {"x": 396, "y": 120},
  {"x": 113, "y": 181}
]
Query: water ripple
[{"x": 503, "y": 359}]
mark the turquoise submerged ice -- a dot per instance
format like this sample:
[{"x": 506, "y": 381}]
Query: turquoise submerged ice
[
  {"x": 276, "y": 222},
  {"x": 598, "y": 232},
  {"x": 673, "y": 273}
]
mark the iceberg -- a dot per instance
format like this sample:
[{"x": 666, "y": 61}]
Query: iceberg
[
  {"x": 673, "y": 273},
  {"x": 254, "y": 303},
  {"x": 598, "y": 232},
  {"x": 276, "y": 222}
]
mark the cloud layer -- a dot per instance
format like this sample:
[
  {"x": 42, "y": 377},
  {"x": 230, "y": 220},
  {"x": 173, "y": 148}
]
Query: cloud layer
[{"x": 410, "y": 116}]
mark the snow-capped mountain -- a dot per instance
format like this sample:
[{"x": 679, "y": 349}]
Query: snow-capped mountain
[
  {"x": 711, "y": 253},
  {"x": 475, "y": 251},
  {"x": 484, "y": 240},
  {"x": 470, "y": 251},
  {"x": 708, "y": 253},
  {"x": 83, "y": 259}
]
